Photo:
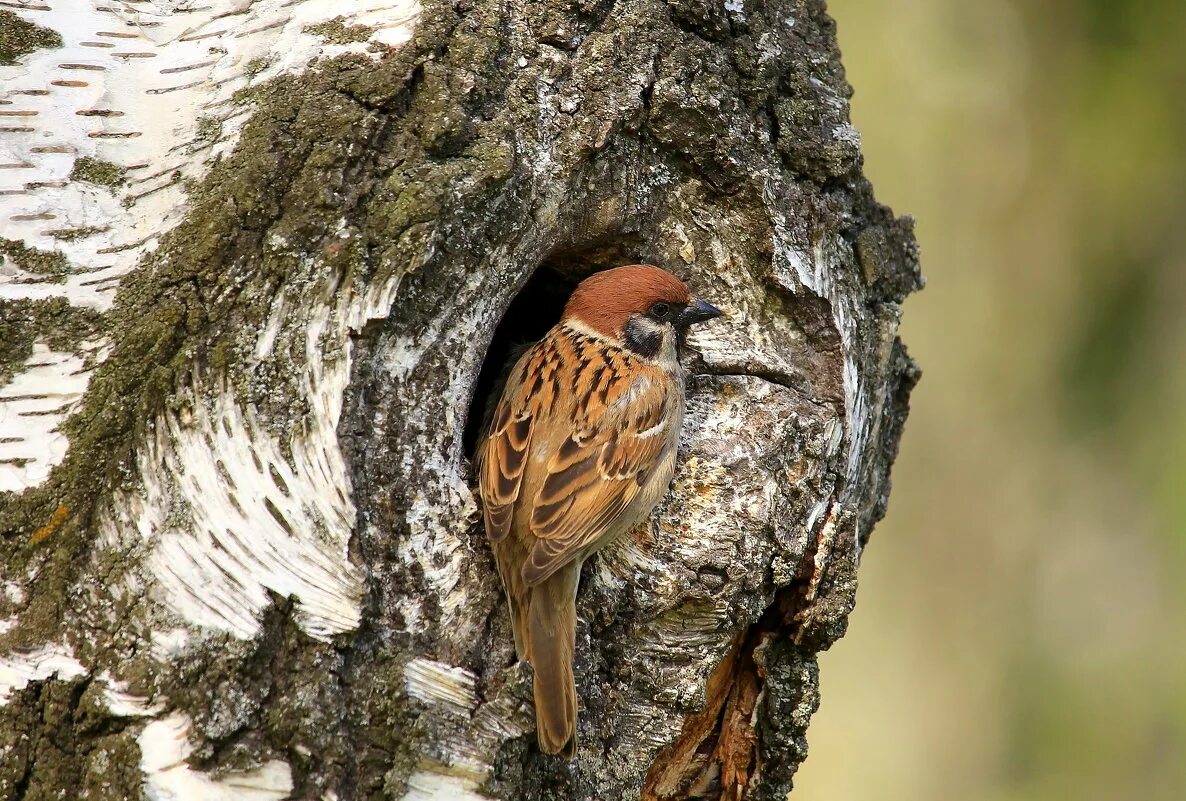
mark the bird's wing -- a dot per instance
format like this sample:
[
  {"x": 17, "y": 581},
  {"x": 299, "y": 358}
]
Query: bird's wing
[
  {"x": 612, "y": 445},
  {"x": 502, "y": 457}
]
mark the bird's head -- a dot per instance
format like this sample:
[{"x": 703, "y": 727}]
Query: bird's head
[{"x": 639, "y": 306}]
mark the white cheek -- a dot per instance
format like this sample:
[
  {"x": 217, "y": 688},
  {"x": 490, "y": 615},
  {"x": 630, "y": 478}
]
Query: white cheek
[{"x": 668, "y": 354}]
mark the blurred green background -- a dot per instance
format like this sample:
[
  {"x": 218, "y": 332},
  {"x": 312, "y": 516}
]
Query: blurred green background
[{"x": 1020, "y": 630}]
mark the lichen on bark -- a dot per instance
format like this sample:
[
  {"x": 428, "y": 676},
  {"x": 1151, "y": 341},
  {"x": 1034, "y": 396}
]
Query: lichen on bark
[
  {"x": 60, "y": 737},
  {"x": 337, "y": 31},
  {"x": 19, "y": 37},
  {"x": 44, "y": 262},
  {"x": 53, "y": 321},
  {"x": 97, "y": 171}
]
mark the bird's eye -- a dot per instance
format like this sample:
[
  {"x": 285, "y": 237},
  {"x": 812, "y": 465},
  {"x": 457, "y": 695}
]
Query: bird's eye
[{"x": 660, "y": 310}]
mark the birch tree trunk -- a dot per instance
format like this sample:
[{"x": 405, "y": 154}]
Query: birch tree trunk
[{"x": 262, "y": 262}]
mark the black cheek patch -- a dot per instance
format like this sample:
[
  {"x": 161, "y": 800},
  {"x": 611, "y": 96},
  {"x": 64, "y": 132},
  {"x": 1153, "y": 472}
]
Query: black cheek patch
[{"x": 642, "y": 339}]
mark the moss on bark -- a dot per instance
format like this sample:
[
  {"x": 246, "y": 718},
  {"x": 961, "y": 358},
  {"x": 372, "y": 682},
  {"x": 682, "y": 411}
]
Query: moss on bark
[
  {"x": 58, "y": 738},
  {"x": 53, "y": 321},
  {"x": 19, "y": 37},
  {"x": 44, "y": 262},
  {"x": 96, "y": 171},
  {"x": 336, "y": 31}
]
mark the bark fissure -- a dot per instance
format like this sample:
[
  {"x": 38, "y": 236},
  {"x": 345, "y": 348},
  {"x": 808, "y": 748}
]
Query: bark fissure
[{"x": 716, "y": 754}]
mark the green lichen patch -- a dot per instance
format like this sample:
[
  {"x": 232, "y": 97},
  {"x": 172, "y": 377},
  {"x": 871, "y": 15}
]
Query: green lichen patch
[
  {"x": 54, "y": 321},
  {"x": 19, "y": 37},
  {"x": 97, "y": 171},
  {"x": 34, "y": 260},
  {"x": 243, "y": 96},
  {"x": 16, "y": 339},
  {"x": 207, "y": 130},
  {"x": 59, "y": 739},
  {"x": 256, "y": 65},
  {"x": 336, "y": 31}
]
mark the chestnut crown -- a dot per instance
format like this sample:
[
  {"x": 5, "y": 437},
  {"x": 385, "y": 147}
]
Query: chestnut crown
[{"x": 607, "y": 300}]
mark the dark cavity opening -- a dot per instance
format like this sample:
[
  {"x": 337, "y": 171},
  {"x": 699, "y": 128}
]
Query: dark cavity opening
[{"x": 534, "y": 310}]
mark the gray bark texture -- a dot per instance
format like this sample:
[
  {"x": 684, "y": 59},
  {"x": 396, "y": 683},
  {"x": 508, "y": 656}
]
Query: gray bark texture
[{"x": 414, "y": 196}]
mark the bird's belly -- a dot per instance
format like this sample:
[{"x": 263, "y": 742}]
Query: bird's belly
[{"x": 645, "y": 501}]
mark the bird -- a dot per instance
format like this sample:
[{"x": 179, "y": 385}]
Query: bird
[{"x": 580, "y": 448}]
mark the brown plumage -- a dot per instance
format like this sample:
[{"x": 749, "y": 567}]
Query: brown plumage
[{"x": 579, "y": 450}]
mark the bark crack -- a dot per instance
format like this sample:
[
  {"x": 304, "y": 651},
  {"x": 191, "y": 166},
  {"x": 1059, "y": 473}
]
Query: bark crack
[{"x": 715, "y": 756}]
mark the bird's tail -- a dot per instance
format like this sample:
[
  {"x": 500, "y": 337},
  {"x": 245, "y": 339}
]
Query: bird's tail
[{"x": 552, "y": 637}]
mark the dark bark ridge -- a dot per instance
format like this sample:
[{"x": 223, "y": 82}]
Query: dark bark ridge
[{"x": 506, "y": 141}]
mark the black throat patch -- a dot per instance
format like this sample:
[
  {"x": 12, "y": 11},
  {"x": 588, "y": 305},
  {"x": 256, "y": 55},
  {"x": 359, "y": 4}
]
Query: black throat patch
[{"x": 643, "y": 339}]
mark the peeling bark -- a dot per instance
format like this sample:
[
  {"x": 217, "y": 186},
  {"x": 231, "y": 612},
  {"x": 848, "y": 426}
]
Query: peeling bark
[{"x": 240, "y": 551}]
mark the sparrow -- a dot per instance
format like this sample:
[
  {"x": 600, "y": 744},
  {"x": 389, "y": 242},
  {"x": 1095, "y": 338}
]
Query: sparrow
[{"x": 580, "y": 448}]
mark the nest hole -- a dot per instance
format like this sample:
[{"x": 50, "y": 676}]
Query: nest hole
[{"x": 534, "y": 310}]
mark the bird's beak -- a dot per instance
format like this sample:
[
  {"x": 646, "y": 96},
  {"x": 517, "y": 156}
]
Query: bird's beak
[{"x": 697, "y": 312}]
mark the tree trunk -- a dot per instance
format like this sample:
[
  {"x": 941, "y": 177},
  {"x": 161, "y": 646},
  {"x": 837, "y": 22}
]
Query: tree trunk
[{"x": 262, "y": 266}]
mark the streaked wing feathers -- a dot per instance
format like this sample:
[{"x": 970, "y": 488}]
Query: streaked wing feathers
[
  {"x": 582, "y": 426},
  {"x": 503, "y": 459},
  {"x": 590, "y": 482}
]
